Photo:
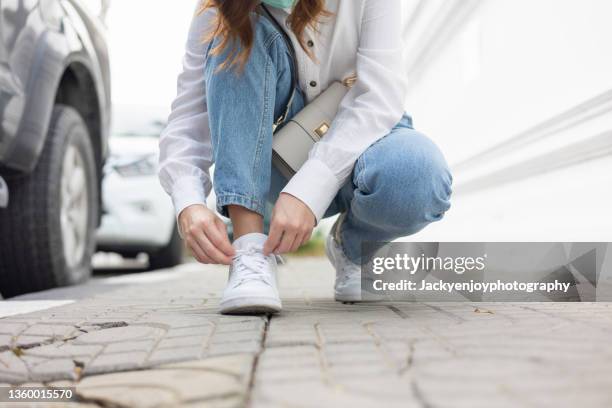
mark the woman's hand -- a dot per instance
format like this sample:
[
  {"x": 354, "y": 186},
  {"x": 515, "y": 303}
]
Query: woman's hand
[
  {"x": 292, "y": 225},
  {"x": 205, "y": 234}
]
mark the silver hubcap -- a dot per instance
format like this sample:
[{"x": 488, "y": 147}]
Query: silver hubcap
[{"x": 74, "y": 206}]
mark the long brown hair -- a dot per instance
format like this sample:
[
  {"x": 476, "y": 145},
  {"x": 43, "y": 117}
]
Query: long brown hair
[{"x": 233, "y": 23}]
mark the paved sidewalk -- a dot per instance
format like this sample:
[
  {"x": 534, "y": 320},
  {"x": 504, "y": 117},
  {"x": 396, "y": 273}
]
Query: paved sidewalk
[{"x": 154, "y": 340}]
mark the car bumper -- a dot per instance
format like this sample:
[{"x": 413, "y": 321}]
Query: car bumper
[{"x": 138, "y": 215}]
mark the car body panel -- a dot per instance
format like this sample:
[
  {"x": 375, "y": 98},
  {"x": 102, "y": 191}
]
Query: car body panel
[
  {"x": 36, "y": 51},
  {"x": 92, "y": 33}
]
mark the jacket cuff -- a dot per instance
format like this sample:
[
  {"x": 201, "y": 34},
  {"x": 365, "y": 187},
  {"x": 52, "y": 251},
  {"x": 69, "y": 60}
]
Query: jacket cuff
[
  {"x": 315, "y": 185},
  {"x": 187, "y": 191}
]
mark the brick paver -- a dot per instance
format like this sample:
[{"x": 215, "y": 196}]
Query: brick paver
[{"x": 144, "y": 343}]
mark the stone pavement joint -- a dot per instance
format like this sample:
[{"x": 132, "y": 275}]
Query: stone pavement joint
[{"x": 162, "y": 343}]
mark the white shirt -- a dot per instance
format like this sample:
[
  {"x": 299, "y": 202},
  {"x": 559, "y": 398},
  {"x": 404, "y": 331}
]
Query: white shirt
[{"x": 363, "y": 37}]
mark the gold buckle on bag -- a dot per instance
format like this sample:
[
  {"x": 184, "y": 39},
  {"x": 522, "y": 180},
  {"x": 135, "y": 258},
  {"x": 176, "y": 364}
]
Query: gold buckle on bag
[
  {"x": 322, "y": 129},
  {"x": 350, "y": 81}
]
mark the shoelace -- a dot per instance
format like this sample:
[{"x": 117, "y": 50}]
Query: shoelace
[{"x": 251, "y": 265}]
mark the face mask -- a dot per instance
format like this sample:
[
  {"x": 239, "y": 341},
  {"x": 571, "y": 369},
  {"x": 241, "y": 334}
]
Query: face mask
[{"x": 280, "y": 3}]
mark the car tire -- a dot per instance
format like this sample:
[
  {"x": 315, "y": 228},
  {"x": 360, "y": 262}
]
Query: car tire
[
  {"x": 47, "y": 232},
  {"x": 168, "y": 256}
]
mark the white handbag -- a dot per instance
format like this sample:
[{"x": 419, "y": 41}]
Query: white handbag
[{"x": 294, "y": 139}]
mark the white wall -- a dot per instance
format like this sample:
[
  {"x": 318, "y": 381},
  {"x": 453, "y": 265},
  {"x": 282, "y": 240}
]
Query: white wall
[
  {"x": 518, "y": 94},
  {"x": 146, "y": 41}
]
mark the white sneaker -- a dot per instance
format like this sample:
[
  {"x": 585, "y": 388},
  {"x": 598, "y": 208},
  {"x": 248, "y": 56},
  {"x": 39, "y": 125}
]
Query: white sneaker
[
  {"x": 348, "y": 274},
  {"x": 251, "y": 288}
]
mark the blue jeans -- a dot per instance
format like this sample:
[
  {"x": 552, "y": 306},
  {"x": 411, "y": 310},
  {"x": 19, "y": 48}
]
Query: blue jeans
[{"x": 398, "y": 186}]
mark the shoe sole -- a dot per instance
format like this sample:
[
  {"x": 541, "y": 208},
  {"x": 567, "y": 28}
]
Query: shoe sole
[
  {"x": 348, "y": 299},
  {"x": 250, "y": 306},
  {"x": 352, "y": 301}
]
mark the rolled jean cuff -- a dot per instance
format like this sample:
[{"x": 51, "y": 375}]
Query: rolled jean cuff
[{"x": 249, "y": 203}]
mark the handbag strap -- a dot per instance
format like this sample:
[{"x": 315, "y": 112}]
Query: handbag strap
[{"x": 294, "y": 71}]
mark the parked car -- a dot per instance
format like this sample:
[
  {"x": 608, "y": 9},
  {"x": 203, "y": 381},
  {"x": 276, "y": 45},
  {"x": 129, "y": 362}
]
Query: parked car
[
  {"x": 54, "y": 120},
  {"x": 138, "y": 216}
]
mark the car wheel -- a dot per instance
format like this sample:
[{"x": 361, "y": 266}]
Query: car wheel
[
  {"x": 47, "y": 232},
  {"x": 168, "y": 256}
]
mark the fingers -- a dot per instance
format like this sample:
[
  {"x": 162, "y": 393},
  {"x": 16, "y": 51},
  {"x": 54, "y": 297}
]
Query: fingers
[
  {"x": 274, "y": 237},
  {"x": 301, "y": 239},
  {"x": 211, "y": 251},
  {"x": 286, "y": 237},
  {"x": 205, "y": 234},
  {"x": 306, "y": 238},
  {"x": 217, "y": 234},
  {"x": 194, "y": 221},
  {"x": 297, "y": 243},
  {"x": 205, "y": 239},
  {"x": 197, "y": 252},
  {"x": 286, "y": 243}
]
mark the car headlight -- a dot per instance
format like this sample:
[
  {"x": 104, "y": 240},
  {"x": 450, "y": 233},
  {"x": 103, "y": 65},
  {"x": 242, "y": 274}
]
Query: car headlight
[{"x": 145, "y": 166}]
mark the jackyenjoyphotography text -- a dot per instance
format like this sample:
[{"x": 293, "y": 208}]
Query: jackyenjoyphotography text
[{"x": 472, "y": 286}]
